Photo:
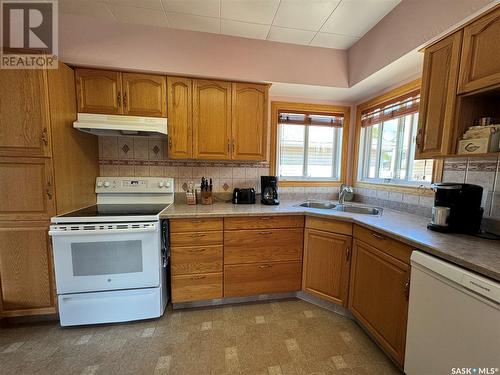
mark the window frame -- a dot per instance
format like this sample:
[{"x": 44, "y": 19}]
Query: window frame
[
  {"x": 277, "y": 107},
  {"x": 395, "y": 187}
]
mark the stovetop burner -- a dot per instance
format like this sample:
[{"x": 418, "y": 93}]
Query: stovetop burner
[{"x": 99, "y": 210}]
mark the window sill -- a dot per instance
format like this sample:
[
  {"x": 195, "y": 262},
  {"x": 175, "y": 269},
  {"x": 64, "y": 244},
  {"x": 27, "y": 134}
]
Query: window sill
[
  {"x": 408, "y": 189},
  {"x": 311, "y": 183}
]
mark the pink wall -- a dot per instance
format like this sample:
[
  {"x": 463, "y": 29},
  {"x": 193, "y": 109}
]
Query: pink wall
[
  {"x": 409, "y": 25},
  {"x": 90, "y": 42}
]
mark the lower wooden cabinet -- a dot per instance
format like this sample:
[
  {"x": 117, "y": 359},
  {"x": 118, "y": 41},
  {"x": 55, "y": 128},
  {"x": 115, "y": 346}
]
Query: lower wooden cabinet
[
  {"x": 261, "y": 278},
  {"x": 199, "y": 287},
  {"x": 26, "y": 269},
  {"x": 326, "y": 265},
  {"x": 378, "y": 296}
]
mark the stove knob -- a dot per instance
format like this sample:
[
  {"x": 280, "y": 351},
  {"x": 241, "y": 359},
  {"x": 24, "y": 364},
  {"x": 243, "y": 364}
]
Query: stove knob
[
  {"x": 167, "y": 184},
  {"x": 99, "y": 184},
  {"x": 106, "y": 184},
  {"x": 160, "y": 184}
]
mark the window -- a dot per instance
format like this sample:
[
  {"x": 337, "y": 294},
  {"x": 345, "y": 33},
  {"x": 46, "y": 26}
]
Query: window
[
  {"x": 309, "y": 146},
  {"x": 387, "y": 144}
]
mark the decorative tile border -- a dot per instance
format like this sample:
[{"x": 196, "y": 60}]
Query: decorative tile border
[{"x": 189, "y": 163}]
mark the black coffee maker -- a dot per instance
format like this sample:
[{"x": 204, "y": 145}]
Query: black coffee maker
[
  {"x": 457, "y": 208},
  {"x": 269, "y": 190}
]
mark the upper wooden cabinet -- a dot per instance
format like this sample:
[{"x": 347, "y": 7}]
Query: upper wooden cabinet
[
  {"x": 116, "y": 93},
  {"x": 438, "y": 97},
  {"x": 326, "y": 265},
  {"x": 249, "y": 119},
  {"x": 144, "y": 95},
  {"x": 24, "y": 113},
  {"x": 99, "y": 91},
  {"x": 180, "y": 119},
  {"x": 480, "y": 61},
  {"x": 211, "y": 120}
]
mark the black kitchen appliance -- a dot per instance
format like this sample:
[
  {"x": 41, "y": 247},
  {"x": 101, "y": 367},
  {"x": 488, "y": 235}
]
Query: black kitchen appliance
[
  {"x": 244, "y": 196},
  {"x": 464, "y": 203},
  {"x": 269, "y": 190}
]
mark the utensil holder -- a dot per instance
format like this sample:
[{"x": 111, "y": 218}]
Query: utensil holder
[{"x": 207, "y": 197}]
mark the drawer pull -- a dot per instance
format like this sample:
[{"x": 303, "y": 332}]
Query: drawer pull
[
  {"x": 197, "y": 235},
  {"x": 198, "y": 277},
  {"x": 265, "y": 232},
  {"x": 265, "y": 218},
  {"x": 197, "y": 250},
  {"x": 265, "y": 266},
  {"x": 378, "y": 236}
]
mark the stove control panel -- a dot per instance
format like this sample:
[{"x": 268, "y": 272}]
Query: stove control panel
[{"x": 161, "y": 185}]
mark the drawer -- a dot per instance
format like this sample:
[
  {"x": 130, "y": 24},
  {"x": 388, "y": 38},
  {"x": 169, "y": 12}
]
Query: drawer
[
  {"x": 197, "y": 287},
  {"x": 198, "y": 225},
  {"x": 383, "y": 243},
  {"x": 263, "y": 222},
  {"x": 262, "y": 278},
  {"x": 329, "y": 225},
  {"x": 196, "y": 238},
  {"x": 196, "y": 259},
  {"x": 265, "y": 245}
]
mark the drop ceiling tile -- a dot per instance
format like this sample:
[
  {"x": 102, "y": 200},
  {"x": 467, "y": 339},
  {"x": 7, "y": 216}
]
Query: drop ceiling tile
[
  {"x": 305, "y": 15},
  {"x": 333, "y": 41},
  {"x": 244, "y": 29},
  {"x": 357, "y": 17},
  {"x": 141, "y": 16},
  {"x": 150, "y": 4},
  {"x": 254, "y": 11},
  {"x": 280, "y": 34},
  {"x": 209, "y": 8},
  {"x": 194, "y": 23},
  {"x": 88, "y": 8}
]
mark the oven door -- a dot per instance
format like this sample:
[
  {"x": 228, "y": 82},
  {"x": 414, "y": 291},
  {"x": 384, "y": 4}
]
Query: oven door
[{"x": 100, "y": 257}]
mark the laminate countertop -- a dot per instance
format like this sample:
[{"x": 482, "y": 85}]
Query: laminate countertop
[{"x": 479, "y": 255}]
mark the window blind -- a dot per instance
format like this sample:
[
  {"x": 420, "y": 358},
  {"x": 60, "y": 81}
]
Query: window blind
[
  {"x": 316, "y": 119},
  {"x": 401, "y": 106}
]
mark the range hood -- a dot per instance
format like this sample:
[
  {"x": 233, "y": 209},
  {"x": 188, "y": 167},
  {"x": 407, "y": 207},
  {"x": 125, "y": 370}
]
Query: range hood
[{"x": 121, "y": 125}]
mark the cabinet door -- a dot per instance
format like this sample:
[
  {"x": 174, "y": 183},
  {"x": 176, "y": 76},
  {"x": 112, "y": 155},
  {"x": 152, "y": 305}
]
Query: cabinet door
[
  {"x": 180, "y": 118},
  {"x": 26, "y": 271},
  {"x": 249, "y": 122},
  {"x": 99, "y": 91},
  {"x": 480, "y": 62},
  {"x": 211, "y": 120},
  {"x": 24, "y": 113},
  {"x": 144, "y": 95},
  {"x": 438, "y": 96},
  {"x": 34, "y": 176},
  {"x": 378, "y": 296},
  {"x": 326, "y": 265}
]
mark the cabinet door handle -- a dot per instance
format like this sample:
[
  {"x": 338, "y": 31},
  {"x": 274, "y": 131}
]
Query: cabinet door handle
[
  {"x": 407, "y": 289},
  {"x": 348, "y": 254},
  {"x": 45, "y": 137},
  {"x": 378, "y": 236},
  {"x": 228, "y": 145},
  {"x": 119, "y": 100},
  {"x": 418, "y": 139},
  {"x": 125, "y": 99},
  {"x": 233, "y": 145},
  {"x": 49, "y": 190},
  {"x": 170, "y": 142},
  {"x": 265, "y": 266}
]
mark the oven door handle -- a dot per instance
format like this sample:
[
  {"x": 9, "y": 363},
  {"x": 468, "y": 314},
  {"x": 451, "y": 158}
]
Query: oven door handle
[{"x": 84, "y": 232}]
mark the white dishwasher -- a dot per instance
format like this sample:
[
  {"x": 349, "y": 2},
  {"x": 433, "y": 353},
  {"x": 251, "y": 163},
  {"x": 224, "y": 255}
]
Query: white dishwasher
[{"x": 453, "y": 320}]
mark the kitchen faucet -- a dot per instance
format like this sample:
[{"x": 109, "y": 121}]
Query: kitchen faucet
[{"x": 343, "y": 191}]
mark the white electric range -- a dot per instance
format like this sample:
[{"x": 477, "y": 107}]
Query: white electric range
[{"x": 111, "y": 258}]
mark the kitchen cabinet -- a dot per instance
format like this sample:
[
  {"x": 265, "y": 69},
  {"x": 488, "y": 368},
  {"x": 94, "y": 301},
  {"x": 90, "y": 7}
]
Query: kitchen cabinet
[
  {"x": 29, "y": 193},
  {"x": 211, "y": 120},
  {"x": 379, "y": 288},
  {"x": 438, "y": 97},
  {"x": 144, "y": 95},
  {"x": 480, "y": 59},
  {"x": 196, "y": 259},
  {"x": 180, "y": 118},
  {"x": 24, "y": 113},
  {"x": 326, "y": 265},
  {"x": 116, "y": 93},
  {"x": 99, "y": 91},
  {"x": 249, "y": 119},
  {"x": 26, "y": 277}
]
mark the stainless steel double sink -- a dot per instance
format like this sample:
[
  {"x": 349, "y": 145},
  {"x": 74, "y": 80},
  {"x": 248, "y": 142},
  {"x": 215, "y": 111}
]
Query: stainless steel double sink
[{"x": 352, "y": 208}]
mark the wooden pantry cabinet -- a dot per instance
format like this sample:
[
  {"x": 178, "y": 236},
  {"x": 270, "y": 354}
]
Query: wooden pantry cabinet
[
  {"x": 327, "y": 256},
  {"x": 117, "y": 93},
  {"x": 217, "y": 120},
  {"x": 40, "y": 179},
  {"x": 379, "y": 288}
]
